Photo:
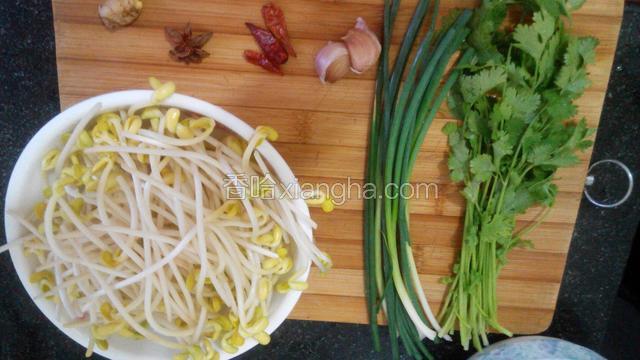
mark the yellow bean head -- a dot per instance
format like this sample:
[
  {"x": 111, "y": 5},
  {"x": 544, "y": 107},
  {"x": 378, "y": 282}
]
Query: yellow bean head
[
  {"x": 37, "y": 277},
  {"x": 154, "y": 83},
  {"x": 234, "y": 144},
  {"x": 163, "y": 92},
  {"x": 38, "y": 210},
  {"x": 264, "y": 287},
  {"x": 262, "y": 338},
  {"x": 171, "y": 119},
  {"x": 49, "y": 160},
  {"x": 328, "y": 205},
  {"x": 84, "y": 140},
  {"x": 102, "y": 344},
  {"x": 133, "y": 124},
  {"x": 183, "y": 131},
  {"x": 203, "y": 123},
  {"x": 267, "y": 132},
  {"x": 151, "y": 113},
  {"x": 282, "y": 252}
]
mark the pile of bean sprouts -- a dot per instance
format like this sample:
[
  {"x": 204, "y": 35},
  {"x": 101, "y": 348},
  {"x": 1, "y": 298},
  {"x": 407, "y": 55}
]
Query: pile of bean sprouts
[{"x": 138, "y": 236}]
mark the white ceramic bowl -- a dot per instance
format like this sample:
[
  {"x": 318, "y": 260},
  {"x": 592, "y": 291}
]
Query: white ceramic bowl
[{"x": 25, "y": 190}]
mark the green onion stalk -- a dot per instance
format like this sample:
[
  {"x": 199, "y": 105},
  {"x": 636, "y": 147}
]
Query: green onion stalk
[{"x": 407, "y": 97}]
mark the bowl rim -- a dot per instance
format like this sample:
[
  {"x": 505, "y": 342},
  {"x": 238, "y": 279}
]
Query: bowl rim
[{"x": 39, "y": 144}]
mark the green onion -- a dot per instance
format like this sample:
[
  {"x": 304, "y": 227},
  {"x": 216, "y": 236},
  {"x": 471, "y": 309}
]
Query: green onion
[{"x": 402, "y": 114}]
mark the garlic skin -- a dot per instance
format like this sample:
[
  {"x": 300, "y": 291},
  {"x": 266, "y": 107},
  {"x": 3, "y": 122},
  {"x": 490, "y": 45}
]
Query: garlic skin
[
  {"x": 363, "y": 45},
  {"x": 332, "y": 62}
]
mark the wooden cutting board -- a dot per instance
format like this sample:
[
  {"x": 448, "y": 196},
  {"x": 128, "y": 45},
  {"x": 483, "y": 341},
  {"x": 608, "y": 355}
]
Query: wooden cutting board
[{"x": 324, "y": 130}]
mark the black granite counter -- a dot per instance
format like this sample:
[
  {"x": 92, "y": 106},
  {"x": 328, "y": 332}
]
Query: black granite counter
[{"x": 599, "y": 249}]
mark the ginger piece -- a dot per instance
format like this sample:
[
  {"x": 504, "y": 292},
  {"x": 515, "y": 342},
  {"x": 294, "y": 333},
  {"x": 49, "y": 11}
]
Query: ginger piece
[{"x": 118, "y": 13}]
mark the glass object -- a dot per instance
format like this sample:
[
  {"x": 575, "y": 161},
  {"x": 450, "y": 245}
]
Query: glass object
[{"x": 608, "y": 184}]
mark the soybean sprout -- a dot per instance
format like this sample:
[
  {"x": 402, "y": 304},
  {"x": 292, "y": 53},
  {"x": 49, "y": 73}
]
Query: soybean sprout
[{"x": 139, "y": 235}]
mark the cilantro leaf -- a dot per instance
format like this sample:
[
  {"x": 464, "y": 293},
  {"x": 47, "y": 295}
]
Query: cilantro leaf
[
  {"x": 498, "y": 230},
  {"x": 518, "y": 76},
  {"x": 458, "y": 160},
  {"x": 553, "y": 7},
  {"x": 549, "y": 59},
  {"x": 532, "y": 38},
  {"x": 515, "y": 127},
  {"x": 449, "y": 128},
  {"x": 584, "y": 144},
  {"x": 470, "y": 238},
  {"x": 579, "y": 132},
  {"x": 476, "y": 125},
  {"x": 446, "y": 280},
  {"x": 470, "y": 192},
  {"x": 501, "y": 147},
  {"x": 559, "y": 107},
  {"x": 523, "y": 103},
  {"x": 572, "y": 77},
  {"x": 482, "y": 167},
  {"x": 577, "y": 83},
  {"x": 517, "y": 201},
  {"x": 540, "y": 153},
  {"x": 573, "y": 5},
  {"x": 499, "y": 115},
  {"x": 544, "y": 193},
  {"x": 484, "y": 24},
  {"x": 563, "y": 158},
  {"x": 455, "y": 103},
  {"x": 587, "y": 49},
  {"x": 475, "y": 86}
]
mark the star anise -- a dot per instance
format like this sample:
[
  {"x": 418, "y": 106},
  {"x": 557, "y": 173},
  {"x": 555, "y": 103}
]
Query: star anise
[{"x": 185, "y": 47}]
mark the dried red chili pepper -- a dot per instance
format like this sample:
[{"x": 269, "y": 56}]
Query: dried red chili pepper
[
  {"x": 274, "y": 20},
  {"x": 258, "y": 58},
  {"x": 270, "y": 46}
]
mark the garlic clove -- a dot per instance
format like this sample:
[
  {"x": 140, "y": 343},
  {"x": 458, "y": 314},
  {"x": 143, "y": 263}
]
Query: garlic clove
[
  {"x": 363, "y": 45},
  {"x": 332, "y": 62}
]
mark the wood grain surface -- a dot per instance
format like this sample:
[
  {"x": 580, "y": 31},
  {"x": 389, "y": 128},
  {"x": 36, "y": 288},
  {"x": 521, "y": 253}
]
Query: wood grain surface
[{"x": 323, "y": 132}]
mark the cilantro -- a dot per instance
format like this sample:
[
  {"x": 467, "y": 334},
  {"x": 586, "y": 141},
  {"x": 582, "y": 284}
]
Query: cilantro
[{"x": 516, "y": 103}]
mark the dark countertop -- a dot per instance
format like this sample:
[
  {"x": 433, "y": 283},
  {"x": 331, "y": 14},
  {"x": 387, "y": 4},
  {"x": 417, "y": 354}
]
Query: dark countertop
[{"x": 598, "y": 253}]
